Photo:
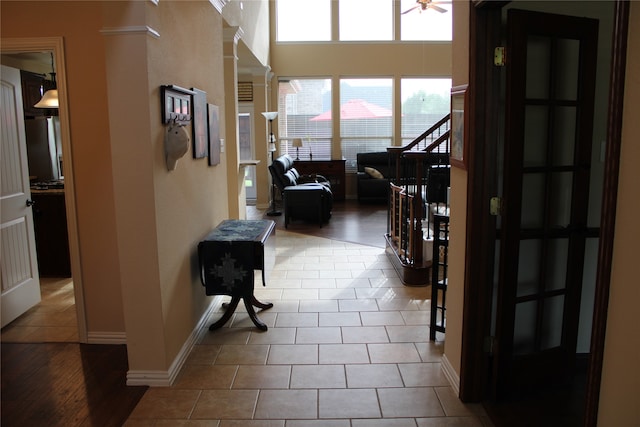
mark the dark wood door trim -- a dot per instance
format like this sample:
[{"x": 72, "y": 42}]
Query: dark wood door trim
[
  {"x": 609, "y": 203},
  {"x": 478, "y": 276},
  {"x": 484, "y": 83}
]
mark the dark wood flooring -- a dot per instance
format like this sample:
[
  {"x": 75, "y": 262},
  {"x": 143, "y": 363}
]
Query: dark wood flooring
[
  {"x": 354, "y": 222},
  {"x": 66, "y": 385},
  {"x": 71, "y": 384}
]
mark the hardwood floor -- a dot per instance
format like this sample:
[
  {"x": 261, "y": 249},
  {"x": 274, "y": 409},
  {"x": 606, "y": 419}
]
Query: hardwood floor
[
  {"x": 353, "y": 222},
  {"x": 66, "y": 384},
  {"x": 70, "y": 384}
]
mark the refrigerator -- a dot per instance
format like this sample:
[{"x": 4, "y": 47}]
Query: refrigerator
[{"x": 44, "y": 149}]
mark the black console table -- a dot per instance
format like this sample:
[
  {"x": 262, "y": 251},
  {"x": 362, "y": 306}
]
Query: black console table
[{"x": 228, "y": 256}]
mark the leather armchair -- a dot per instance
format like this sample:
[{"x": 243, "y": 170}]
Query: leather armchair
[{"x": 304, "y": 196}]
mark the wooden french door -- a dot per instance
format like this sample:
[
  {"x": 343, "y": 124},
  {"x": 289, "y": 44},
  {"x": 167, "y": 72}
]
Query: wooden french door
[{"x": 551, "y": 66}]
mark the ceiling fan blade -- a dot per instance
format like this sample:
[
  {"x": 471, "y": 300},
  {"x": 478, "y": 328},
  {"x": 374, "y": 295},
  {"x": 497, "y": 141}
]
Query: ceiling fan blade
[
  {"x": 409, "y": 10},
  {"x": 438, "y": 8}
]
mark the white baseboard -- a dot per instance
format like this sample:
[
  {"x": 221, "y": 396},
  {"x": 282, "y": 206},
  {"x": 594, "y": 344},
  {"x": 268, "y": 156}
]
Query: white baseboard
[
  {"x": 166, "y": 378},
  {"x": 106, "y": 338},
  {"x": 451, "y": 374}
]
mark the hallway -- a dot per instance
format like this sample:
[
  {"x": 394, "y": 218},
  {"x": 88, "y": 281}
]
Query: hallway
[{"x": 347, "y": 345}]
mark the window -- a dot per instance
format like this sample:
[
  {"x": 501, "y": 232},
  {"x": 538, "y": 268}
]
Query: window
[
  {"x": 362, "y": 20},
  {"x": 366, "y": 20},
  {"x": 303, "y": 20},
  {"x": 424, "y": 102},
  {"x": 366, "y": 117},
  {"x": 304, "y": 111},
  {"x": 434, "y": 23}
]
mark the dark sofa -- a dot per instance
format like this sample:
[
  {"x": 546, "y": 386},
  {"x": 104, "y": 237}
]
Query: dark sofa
[{"x": 372, "y": 187}]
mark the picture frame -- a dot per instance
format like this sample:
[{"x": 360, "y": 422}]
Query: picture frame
[
  {"x": 176, "y": 104},
  {"x": 200, "y": 129},
  {"x": 213, "y": 122},
  {"x": 459, "y": 127}
]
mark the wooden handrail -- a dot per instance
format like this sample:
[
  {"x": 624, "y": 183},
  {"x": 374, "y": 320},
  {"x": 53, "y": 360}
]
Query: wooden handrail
[{"x": 412, "y": 164}]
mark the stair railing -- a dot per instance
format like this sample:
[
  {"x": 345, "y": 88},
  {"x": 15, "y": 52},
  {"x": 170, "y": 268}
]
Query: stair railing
[{"x": 408, "y": 190}]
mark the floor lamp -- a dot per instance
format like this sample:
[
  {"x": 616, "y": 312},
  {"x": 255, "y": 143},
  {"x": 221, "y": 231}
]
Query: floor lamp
[{"x": 271, "y": 115}]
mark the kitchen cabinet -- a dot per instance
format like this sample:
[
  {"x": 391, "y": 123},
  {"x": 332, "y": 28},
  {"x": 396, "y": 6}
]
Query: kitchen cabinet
[
  {"x": 33, "y": 85},
  {"x": 52, "y": 238}
]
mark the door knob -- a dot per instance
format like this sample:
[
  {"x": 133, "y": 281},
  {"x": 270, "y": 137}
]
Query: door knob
[{"x": 30, "y": 203}]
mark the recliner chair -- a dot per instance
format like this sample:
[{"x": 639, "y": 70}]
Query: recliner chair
[{"x": 304, "y": 196}]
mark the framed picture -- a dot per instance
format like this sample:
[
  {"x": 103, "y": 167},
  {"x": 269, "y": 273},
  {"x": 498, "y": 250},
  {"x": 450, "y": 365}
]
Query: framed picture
[
  {"x": 176, "y": 104},
  {"x": 199, "y": 128},
  {"x": 214, "y": 134},
  {"x": 459, "y": 127}
]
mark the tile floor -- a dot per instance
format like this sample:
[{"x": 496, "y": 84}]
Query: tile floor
[
  {"x": 52, "y": 320},
  {"x": 347, "y": 346}
]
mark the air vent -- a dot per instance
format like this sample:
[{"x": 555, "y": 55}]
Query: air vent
[{"x": 245, "y": 92}]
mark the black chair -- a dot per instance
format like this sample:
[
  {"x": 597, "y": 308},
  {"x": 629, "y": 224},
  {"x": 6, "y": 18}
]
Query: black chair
[{"x": 304, "y": 196}]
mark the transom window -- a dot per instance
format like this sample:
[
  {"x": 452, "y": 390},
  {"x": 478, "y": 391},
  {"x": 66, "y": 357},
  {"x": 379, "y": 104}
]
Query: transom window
[
  {"x": 366, "y": 20},
  {"x": 363, "y": 20},
  {"x": 303, "y": 20}
]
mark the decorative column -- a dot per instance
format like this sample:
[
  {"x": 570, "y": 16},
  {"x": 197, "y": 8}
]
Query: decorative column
[{"x": 235, "y": 174}]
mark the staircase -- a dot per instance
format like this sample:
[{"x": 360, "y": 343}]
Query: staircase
[{"x": 418, "y": 191}]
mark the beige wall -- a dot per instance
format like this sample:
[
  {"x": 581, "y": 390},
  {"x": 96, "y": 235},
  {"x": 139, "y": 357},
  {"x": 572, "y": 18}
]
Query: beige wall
[
  {"x": 89, "y": 130},
  {"x": 162, "y": 214},
  {"x": 458, "y": 202},
  {"x": 138, "y": 224},
  {"x": 621, "y": 376}
]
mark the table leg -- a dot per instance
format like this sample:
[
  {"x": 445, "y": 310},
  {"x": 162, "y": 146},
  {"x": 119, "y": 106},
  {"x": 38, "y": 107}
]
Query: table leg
[
  {"x": 249, "y": 302},
  {"x": 262, "y": 305},
  {"x": 231, "y": 308}
]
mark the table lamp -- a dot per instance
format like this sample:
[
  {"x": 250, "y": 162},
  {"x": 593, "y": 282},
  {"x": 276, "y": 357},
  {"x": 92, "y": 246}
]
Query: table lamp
[{"x": 297, "y": 142}]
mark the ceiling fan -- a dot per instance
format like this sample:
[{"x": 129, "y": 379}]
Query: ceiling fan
[{"x": 427, "y": 4}]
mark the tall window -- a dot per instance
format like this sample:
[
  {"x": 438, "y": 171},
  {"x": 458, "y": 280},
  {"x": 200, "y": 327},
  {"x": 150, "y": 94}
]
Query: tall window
[
  {"x": 366, "y": 117},
  {"x": 304, "y": 111},
  {"x": 424, "y": 102},
  {"x": 366, "y": 20},
  {"x": 303, "y": 20}
]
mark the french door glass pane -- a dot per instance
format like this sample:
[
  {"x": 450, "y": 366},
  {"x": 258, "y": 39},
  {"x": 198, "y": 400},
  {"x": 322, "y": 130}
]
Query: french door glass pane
[
  {"x": 538, "y": 49},
  {"x": 556, "y": 268},
  {"x": 524, "y": 333},
  {"x": 533, "y": 195},
  {"x": 551, "y": 333},
  {"x": 564, "y": 136},
  {"x": 567, "y": 65},
  {"x": 529, "y": 267},
  {"x": 560, "y": 201},
  {"x": 536, "y": 123}
]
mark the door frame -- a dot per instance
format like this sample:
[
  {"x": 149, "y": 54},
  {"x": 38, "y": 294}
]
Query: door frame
[
  {"x": 56, "y": 45},
  {"x": 485, "y": 21}
]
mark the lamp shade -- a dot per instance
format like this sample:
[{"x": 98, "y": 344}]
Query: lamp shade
[
  {"x": 297, "y": 142},
  {"x": 49, "y": 100},
  {"x": 270, "y": 115}
]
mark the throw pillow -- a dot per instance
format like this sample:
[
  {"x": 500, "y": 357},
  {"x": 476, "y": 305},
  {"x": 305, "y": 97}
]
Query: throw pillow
[{"x": 373, "y": 173}]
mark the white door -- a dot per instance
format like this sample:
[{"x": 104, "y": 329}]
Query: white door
[
  {"x": 18, "y": 262},
  {"x": 247, "y": 151}
]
